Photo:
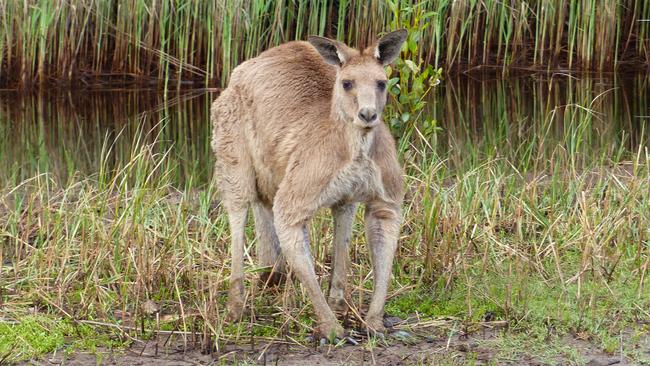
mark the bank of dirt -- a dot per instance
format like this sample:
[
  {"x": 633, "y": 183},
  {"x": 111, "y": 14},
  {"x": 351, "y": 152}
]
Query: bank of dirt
[{"x": 436, "y": 349}]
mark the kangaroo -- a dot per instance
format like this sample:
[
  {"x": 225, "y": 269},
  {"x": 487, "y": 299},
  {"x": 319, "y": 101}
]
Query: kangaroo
[{"x": 299, "y": 128}]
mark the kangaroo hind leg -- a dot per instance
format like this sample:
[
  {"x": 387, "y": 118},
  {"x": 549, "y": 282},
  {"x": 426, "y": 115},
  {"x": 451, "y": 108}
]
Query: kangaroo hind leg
[
  {"x": 236, "y": 183},
  {"x": 268, "y": 246}
]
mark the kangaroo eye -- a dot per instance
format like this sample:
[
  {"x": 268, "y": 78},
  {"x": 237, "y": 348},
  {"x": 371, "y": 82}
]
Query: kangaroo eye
[
  {"x": 347, "y": 85},
  {"x": 381, "y": 85}
]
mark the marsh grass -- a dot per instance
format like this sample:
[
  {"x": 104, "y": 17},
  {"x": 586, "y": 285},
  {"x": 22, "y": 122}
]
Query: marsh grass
[
  {"x": 528, "y": 205},
  {"x": 200, "y": 42}
]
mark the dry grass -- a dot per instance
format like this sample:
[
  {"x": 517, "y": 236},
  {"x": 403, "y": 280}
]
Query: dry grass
[{"x": 545, "y": 230}]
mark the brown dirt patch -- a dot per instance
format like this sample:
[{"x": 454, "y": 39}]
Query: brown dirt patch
[{"x": 431, "y": 350}]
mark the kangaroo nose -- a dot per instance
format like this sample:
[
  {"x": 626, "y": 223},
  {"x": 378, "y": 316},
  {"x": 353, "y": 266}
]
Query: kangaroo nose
[{"x": 367, "y": 114}]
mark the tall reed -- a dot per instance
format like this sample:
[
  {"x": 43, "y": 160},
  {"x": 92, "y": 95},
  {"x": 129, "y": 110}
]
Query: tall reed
[{"x": 150, "y": 41}]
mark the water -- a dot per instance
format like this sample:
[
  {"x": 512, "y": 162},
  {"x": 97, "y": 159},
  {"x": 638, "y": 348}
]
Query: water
[
  {"x": 66, "y": 133},
  {"x": 529, "y": 120}
]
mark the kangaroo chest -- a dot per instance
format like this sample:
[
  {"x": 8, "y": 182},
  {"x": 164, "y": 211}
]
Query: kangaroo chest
[{"x": 358, "y": 181}]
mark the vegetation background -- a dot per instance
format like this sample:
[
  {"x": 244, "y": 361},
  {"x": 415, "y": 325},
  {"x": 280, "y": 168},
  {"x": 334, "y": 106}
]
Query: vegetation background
[
  {"x": 67, "y": 41},
  {"x": 528, "y": 207}
]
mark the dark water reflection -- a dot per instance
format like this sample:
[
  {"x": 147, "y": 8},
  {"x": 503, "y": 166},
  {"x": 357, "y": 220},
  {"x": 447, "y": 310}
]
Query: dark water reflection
[
  {"x": 526, "y": 120},
  {"x": 66, "y": 133}
]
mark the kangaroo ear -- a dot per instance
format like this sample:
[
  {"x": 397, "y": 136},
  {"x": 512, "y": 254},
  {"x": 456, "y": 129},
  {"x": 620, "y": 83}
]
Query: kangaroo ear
[
  {"x": 333, "y": 52},
  {"x": 388, "y": 47}
]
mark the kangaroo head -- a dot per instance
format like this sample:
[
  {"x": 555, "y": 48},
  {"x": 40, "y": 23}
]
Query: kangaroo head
[{"x": 359, "y": 93}]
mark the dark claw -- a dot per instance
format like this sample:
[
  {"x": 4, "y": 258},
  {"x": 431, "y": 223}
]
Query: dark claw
[
  {"x": 401, "y": 334},
  {"x": 352, "y": 341}
]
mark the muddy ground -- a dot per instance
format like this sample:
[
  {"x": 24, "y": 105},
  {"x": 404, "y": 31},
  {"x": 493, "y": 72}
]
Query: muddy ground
[{"x": 422, "y": 350}]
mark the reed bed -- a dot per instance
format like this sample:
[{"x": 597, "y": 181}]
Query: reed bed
[
  {"x": 199, "y": 42},
  {"x": 530, "y": 206}
]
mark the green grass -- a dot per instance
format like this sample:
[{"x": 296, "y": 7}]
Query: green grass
[
  {"x": 531, "y": 209},
  {"x": 143, "y": 41},
  {"x": 35, "y": 335},
  {"x": 527, "y": 204}
]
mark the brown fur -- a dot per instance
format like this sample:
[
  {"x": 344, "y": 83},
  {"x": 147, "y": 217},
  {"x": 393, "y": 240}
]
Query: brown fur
[{"x": 289, "y": 140}]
